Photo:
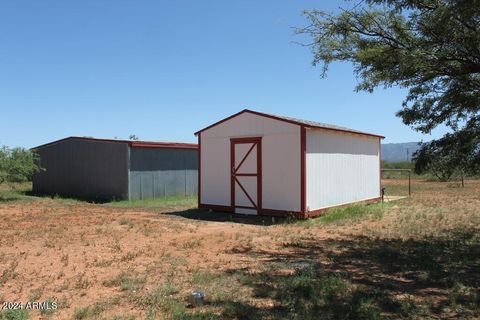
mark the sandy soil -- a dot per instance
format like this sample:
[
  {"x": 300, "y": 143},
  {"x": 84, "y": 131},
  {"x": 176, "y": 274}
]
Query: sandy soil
[{"x": 68, "y": 251}]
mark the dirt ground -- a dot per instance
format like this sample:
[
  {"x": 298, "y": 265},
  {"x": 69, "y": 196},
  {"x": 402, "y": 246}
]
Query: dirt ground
[{"x": 100, "y": 262}]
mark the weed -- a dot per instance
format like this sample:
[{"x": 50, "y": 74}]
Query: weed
[
  {"x": 202, "y": 278},
  {"x": 87, "y": 312},
  {"x": 9, "y": 273},
  {"x": 64, "y": 259},
  {"x": 49, "y": 244},
  {"x": 116, "y": 247},
  {"x": 156, "y": 299},
  {"x": 192, "y": 244},
  {"x": 126, "y": 282},
  {"x": 82, "y": 282},
  {"x": 102, "y": 263},
  {"x": 130, "y": 256},
  {"x": 49, "y": 311},
  {"x": 124, "y": 221},
  {"x": 157, "y": 304},
  {"x": 14, "y": 314},
  {"x": 95, "y": 310},
  {"x": 35, "y": 294}
]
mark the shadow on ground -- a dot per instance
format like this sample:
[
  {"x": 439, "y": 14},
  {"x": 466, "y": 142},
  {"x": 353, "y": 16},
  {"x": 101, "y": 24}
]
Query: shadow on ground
[
  {"x": 364, "y": 278},
  {"x": 216, "y": 216}
]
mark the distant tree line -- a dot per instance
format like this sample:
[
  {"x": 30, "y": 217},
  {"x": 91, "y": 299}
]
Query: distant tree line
[
  {"x": 398, "y": 165},
  {"x": 436, "y": 168},
  {"x": 17, "y": 164}
]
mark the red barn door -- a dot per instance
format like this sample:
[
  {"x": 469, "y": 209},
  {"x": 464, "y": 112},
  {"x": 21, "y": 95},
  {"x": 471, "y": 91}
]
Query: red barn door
[{"x": 246, "y": 177}]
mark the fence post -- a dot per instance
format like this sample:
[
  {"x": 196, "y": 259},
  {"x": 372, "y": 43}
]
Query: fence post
[
  {"x": 402, "y": 170},
  {"x": 409, "y": 183}
]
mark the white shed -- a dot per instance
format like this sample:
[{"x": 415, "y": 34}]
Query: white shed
[{"x": 257, "y": 163}]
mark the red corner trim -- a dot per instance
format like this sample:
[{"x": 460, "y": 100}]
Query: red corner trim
[
  {"x": 380, "y": 164},
  {"x": 303, "y": 173},
  {"x": 199, "y": 174}
]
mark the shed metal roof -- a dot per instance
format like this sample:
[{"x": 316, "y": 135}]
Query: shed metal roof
[
  {"x": 306, "y": 123},
  {"x": 131, "y": 143}
]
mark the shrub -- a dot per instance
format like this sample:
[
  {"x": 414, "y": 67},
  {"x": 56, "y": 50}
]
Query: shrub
[{"x": 17, "y": 164}]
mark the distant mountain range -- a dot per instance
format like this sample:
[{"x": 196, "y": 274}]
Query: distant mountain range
[{"x": 395, "y": 152}]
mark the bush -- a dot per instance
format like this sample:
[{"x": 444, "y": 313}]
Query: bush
[
  {"x": 398, "y": 165},
  {"x": 17, "y": 164}
]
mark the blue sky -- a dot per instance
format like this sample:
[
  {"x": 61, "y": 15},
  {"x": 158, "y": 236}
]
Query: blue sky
[{"x": 165, "y": 69}]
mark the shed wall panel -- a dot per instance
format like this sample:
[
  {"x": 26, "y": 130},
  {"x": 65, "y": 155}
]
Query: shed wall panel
[
  {"x": 83, "y": 169},
  {"x": 156, "y": 172},
  {"x": 340, "y": 168},
  {"x": 280, "y": 161}
]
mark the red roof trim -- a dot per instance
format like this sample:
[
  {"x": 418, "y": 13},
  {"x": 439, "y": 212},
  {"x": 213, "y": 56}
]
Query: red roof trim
[
  {"x": 221, "y": 121},
  {"x": 131, "y": 143},
  {"x": 286, "y": 120}
]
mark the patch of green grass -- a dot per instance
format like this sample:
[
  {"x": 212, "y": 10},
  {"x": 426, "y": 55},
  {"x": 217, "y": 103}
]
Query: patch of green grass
[
  {"x": 310, "y": 292},
  {"x": 126, "y": 282},
  {"x": 189, "y": 201},
  {"x": 396, "y": 189},
  {"x": 156, "y": 299},
  {"x": 330, "y": 296},
  {"x": 48, "y": 312},
  {"x": 164, "y": 303},
  {"x": 88, "y": 312},
  {"x": 161, "y": 306},
  {"x": 202, "y": 278},
  {"x": 16, "y": 192},
  {"x": 340, "y": 215},
  {"x": 14, "y": 314},
  {"x": 95, "y": 310},
  {"x": 197, "y": 316},
  {"x": 457, "y": 253}
]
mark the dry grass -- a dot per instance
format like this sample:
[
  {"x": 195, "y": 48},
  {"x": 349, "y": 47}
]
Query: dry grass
[{"x": 415, "y": 258}]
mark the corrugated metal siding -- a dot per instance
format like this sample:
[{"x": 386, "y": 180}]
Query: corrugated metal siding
[
  {"x": 340, "y": 168},
  {"x": 280, "y": 160},
  {"x": 83, "y": 169},
  {"x": 156, "y": 172}
]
